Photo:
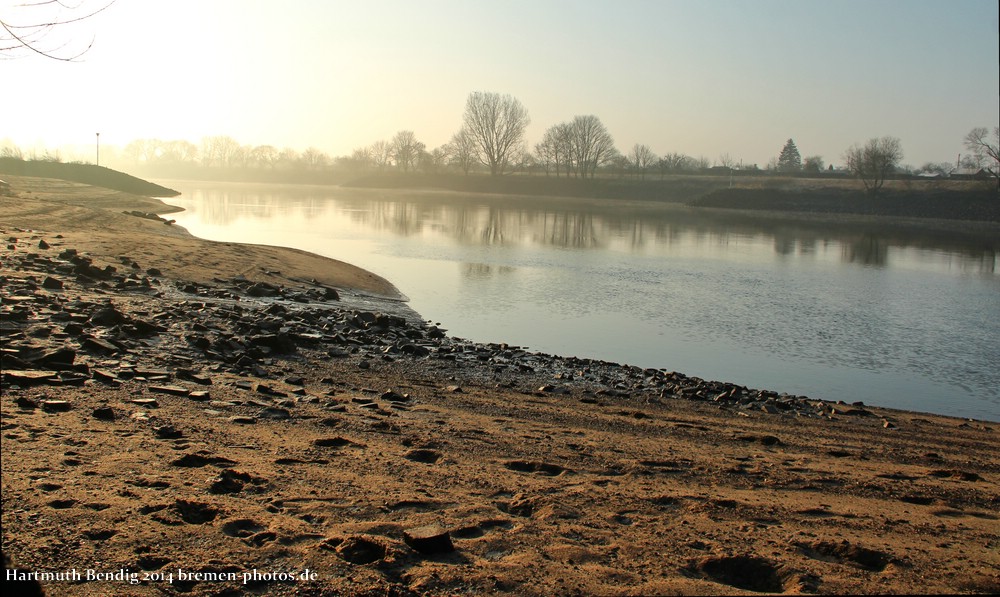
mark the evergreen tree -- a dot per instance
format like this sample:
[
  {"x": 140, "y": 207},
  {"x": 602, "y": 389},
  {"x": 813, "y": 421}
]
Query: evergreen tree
[{"x": 789, "y": 160}]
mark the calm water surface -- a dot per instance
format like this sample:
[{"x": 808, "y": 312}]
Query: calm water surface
[{"x": 901, "y": 320}]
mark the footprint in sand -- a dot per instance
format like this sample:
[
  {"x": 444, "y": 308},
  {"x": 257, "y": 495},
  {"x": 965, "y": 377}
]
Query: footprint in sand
[
  {"x": 750, "y": 573},
  {"x": 541, "y": 468},
  {"x": 242, "y": 527},
  {"x": 846, "y": 552},
  {"x": 424, "y": 455}
]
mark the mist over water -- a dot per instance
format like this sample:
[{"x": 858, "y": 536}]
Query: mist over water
[{"x": 903, "y": 320}]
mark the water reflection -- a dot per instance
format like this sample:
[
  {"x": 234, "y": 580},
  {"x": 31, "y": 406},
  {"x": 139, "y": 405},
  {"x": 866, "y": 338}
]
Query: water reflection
[
  {"x": 574, "y": 224},
  {"x": 867, "y": 250},
  {"x": 900, "y": 317}
]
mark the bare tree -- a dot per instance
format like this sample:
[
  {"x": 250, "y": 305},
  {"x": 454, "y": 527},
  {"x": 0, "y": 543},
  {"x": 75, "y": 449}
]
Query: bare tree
[
  {"x": 406, "y": 149},
  {"x": 29, "y": 29},
  {"x": 986, "y": 149},
  {"x": 220, "y": 151},
  {"x": 435, "y": 160},
  {"x": 463, "y": 150},
  {"x": 619, "y": 163},
  {"x": 314, "y": 159},
  {"x": 874, "y": 161},
  {"x": 556, "y": 148},
  {"x": 11, "y": 151},
  {"x": 641, "y": 158},
  {"x": 496, "y": 123},
  {"x": 381, "y": 152},
  {"x": 264, "y": 156},
  {"x": 673, "y": 162},
  {"x": 180, "y": 152},
  {"x": 360, "y": 160},
  {"x": 726, "y": 161},
  {"x": 288, "y": 159},
  {"x": 143, "y": 151},
  {"x": 593, "y": 146}
]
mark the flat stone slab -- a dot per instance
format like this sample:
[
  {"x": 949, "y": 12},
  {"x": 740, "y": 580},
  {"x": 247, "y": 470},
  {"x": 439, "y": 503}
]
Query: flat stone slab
[
  {"x": 172, "y": 390},
  {"x": 30, "y": 376}
]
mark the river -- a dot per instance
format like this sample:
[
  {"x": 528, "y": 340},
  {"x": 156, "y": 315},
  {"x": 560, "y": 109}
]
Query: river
[{"x": 896, "y": 318}]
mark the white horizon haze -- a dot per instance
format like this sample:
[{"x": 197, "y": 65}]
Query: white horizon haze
[{"x": 703, "y": 78}]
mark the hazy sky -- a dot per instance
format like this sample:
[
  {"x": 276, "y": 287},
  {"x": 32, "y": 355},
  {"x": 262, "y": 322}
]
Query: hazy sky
[{"x": 702, "y": 77}]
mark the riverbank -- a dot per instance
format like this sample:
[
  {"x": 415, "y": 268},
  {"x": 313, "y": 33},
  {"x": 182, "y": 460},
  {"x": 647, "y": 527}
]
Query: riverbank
[
  {"x": 207, "y": 410},
  {"x": 974, "y": 202}
]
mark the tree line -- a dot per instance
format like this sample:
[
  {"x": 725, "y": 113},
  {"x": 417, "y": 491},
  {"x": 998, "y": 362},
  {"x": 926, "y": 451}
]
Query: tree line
[{"x": 492, "y": 139}]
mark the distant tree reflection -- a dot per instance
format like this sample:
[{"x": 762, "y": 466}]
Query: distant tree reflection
[{"x": 866, "y": 250}]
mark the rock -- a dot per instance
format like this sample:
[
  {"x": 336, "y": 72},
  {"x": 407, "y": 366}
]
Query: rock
[
  {"x": 263, "y": 289},
  {"x": 29, "y": 378},
  {"x": 61, "y": 358},
  {"x": 106, "y": 377},
  {"x": 391, "y": 396},
  {"x": 99, "y": 346},
  {"x": 51, "y": 283},
  {"x": 241, "y": 420},
  {"x": 191, "y": 376},
  {"x": 107, "y": 316},
  {"x": 269, "y": 391},
  {"x": 42, "y": 244},
  {"x": 167, "y": 432},
  {"x": 56, "y": 405},
  {"x": 430, "y": 539},
  {"x": 146, "y": 402},
  {"x": 25, "y": 403},
  {"x": 171, "y": 390},
  {"x": 273, "y": 412}
]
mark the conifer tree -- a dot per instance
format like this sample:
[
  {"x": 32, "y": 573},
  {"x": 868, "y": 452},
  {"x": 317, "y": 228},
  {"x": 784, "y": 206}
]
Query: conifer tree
[{"x": 789, "y": 160}]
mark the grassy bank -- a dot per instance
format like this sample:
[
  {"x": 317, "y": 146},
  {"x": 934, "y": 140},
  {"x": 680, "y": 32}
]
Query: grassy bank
[{"x": 90, "y": 174}]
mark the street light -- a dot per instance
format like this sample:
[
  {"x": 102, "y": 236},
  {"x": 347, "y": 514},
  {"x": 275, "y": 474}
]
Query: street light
[{"x": 98, "y": 149}]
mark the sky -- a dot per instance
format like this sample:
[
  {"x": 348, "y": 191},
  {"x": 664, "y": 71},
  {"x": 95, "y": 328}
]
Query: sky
[{"x": 702, "y": 77}]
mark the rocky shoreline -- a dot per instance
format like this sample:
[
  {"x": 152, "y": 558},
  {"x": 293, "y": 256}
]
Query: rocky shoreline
[{"x": 188, "y": 331}]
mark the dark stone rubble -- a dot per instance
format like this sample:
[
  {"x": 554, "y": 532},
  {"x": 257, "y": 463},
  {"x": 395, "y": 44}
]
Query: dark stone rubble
[{"x": 66, "y": 320}]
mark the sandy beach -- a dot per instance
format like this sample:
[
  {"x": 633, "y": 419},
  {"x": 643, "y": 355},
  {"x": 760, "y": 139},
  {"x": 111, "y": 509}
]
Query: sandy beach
[{"x": 186, "y": 417}]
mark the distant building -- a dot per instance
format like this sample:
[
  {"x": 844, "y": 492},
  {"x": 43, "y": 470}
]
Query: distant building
[
  {"x": 4, "y": 187},
  {"x": 970, "y": 174}
]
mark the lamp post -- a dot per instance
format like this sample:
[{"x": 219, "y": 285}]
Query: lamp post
[{"x": 98, "y": 149}]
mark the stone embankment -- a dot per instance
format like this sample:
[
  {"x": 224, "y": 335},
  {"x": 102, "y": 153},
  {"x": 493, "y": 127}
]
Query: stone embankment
[{"x": 68, "y": 321}]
